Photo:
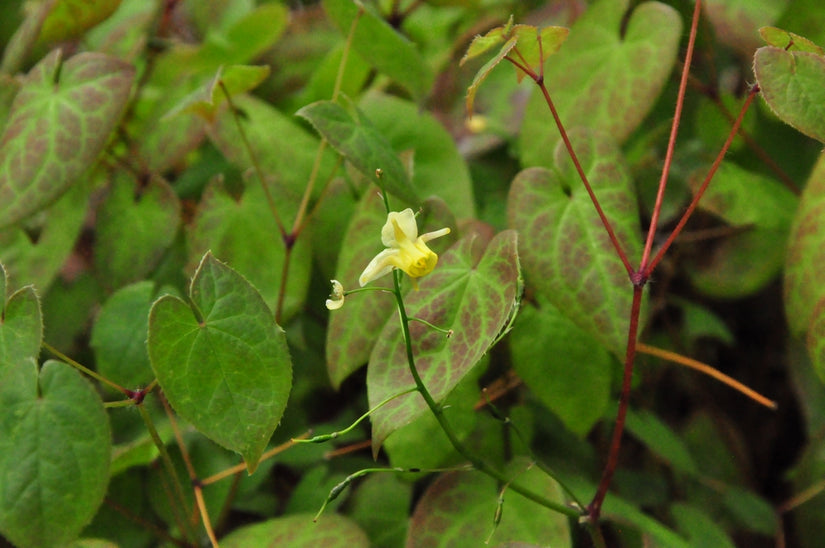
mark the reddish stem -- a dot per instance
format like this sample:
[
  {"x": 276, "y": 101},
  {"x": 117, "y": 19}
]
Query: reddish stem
[
  {"x": 699, "y": 193},
  {"x": 671, "y": 145},
  {"x": 595, "y": 507}
]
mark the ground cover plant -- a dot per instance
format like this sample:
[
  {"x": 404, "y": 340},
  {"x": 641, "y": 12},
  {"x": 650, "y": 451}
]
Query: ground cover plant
[{"x": 412, "y": 273}]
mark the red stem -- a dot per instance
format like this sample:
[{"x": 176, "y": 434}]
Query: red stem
[
  {"x": 595, "y": 507},
  {"x": 671, "y": 145},
  {"x": 699, "y": 193}
]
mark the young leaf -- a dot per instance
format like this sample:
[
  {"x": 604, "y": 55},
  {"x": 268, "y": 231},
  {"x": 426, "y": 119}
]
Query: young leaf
[
  {"x": 298, "y": 531},
  {"x": 473, "y": 291},
  {"x": 205, "y": 100},
  {"x": 222, "y": 361},
  {"x": 383, "y": 47},
  {"x": 71, "y": 18},
  {"x": 607, "y": 76},
  {"x": 21, "y": 323},
  {"x": 459, "y": 508},
  {"x": 60, "y": 121},
  {"x": 793, "y": 85},
  {"x": 565, "y": 250},
  {"x": 788, "y": 40},
  {"x": 54, "y": 453},
  {"x": 355, "y": 138}
]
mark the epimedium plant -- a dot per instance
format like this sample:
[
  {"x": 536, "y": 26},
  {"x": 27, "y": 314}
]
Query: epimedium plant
[{"x": 167, "y": 233}]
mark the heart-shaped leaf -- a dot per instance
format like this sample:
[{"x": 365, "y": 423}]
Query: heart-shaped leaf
[
  {"x": 55, "y": 447},
  {"x": 606, "y": 76},
  {"x": 60, "y": 121},
  {"x": 473, "y": 291},
  {"x": 565, "y": 250},
  {"x": 793, "y": 85},
  {"x": 222, "y": 361}
]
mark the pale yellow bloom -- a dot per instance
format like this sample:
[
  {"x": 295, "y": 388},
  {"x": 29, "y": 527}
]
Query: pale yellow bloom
[
  {"x": 336, "y": 298},
  {"x": 406, "y": 250}
]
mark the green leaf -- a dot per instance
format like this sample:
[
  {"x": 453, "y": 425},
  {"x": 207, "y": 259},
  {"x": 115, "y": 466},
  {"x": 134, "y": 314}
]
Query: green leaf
[
  {"x": 205, "y": 100},
  {"x": 379, "y": 44},
  {"x": 788, "y": 40},
  {"x": 764, "y": 209},
  {"x": 60, "y": 121},
  {"x": 809, "y": 518},
  {"x": 299, "y": 531},
  {"x": 438, "y": 167},
  {"x": 243, "y": 232},
  {"x": 353, "y": 329},
  {"x": 54, "y": 453},
  {"x": 485, "y": 70},
  {"x": 700, "y": 528},
  {"x": 736, "y": 21},
  {"x": 136, "y": 224},
  {"x": 222, "y": 361},
  {"x": 565, "y": 250},
  {"x": 473, "y": 291},
  {"x": 119, "y": 335},
  {"x": 793, "y": 85},
  {"x": 567, "y": 370},
  {"x": 459, "y": 508},
  {"x": 607, "y": 76},
  {"x": 21, "y": 323},
  {"x": 660, "y": 439},
  {"x": 381, "y": 506},
  {"x": 355, "y": 138},
  {"x": 23, "y": 41},
  {"x": 285, "y": 151},
  {"x": 35, "y": 253},
  {"x": 804, "y": 285},
  {"x": 816, "y": 339},
  {"x": 71, "y": 18}
]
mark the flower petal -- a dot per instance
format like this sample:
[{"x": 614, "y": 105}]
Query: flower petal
[
  {"x": 379, "y": 266},
  {"x": 406, "y": 222},
  {"x": 433, "y": 235}
]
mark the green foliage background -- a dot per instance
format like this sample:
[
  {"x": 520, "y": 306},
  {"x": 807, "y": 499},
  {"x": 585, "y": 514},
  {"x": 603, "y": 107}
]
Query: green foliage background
[{"x": 180, "y": 180}]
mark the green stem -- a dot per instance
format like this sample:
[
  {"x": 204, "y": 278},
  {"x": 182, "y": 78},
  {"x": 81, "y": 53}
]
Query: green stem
[
  {"x": 438, "y": 412},
  {"x": 95, "y": 375}
]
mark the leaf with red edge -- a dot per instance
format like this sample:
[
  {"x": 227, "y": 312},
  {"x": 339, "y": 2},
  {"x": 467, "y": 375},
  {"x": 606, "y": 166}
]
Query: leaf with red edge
[{"x": 474, "y": 291}]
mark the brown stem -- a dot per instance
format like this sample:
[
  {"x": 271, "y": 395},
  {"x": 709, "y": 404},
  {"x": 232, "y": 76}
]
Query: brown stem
[{"x": 595, "y": 507}]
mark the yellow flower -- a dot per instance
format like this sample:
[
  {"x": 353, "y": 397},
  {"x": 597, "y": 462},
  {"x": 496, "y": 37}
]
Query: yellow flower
[
  {"x": 406, "y": 250},
  {"x": 336, "y": 298}
]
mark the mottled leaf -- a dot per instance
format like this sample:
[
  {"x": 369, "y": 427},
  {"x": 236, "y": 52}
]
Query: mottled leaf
[
  {"x": 473, "y": 291},
  {"x": 221, "y": 360},
  {"x": 737, "y": 21},
  {"x": 459, "y": 508},
  {"x": 355, "y": 138},
  {"x": 793, "y": 85},
  {"x": 804, "y": 285},
  {"x": 382, "y": 46},
  {"x": 567, "y": 370},
  {"x": 606, "y": 76},
  {"x": 60, "y": 121},
  {"x": 54, "y": 453},
  {"x": 135, "y": 227},
  {"x": 299, "y": 531},
  {"x": 565, "y": 250}
]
